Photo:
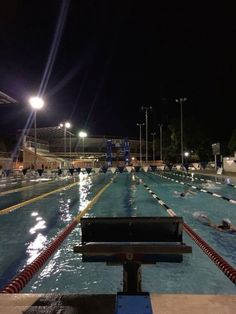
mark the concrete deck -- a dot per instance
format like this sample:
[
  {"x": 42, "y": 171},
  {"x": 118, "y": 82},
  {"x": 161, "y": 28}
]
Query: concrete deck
[{"x": 105, "y": 304}]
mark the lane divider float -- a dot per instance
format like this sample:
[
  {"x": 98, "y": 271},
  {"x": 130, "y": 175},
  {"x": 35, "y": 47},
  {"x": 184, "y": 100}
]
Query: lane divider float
[
  {"x": 30, "y": 186},
  {"x": 24, "y": 188},
  {"x": 193, "y": 178},
  {"x": 199, "y": 189},
  {"x": 34, "y": 199}
]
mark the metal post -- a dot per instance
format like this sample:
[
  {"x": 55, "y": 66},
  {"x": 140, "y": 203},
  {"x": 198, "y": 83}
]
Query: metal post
[
  {"x": 182, "y": 139},
  {"x": 36, "y": 103},
  {"x": 160, "y": 125},
  {"x": 132, "y": 283},
  {"x": 140, "y": 142},
  {"x": 82, "y": 134},
  {"x": 146, "y": 119},
  {"x": 64, "y": 140},
  {"x": 153, "y": 145},
  {"x": 35, "y": 140},
  {"x": 70, "y": 146},
  {"x": 181, "y": 100}
]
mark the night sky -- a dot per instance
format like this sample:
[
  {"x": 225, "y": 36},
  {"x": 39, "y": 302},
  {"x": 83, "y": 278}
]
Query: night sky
[{"x": 115, "y": 56}]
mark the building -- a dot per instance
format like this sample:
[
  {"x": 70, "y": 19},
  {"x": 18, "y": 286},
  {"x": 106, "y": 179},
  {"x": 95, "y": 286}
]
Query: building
[{"x": 55, "y": 148}]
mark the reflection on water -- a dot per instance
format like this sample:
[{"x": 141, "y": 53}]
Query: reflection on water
[
  {"x": 35, "y": 247},
  {"x": 41, "y": 224},
  {"x": 64, "y": 207},
  {"x": 84, "y": 187}
]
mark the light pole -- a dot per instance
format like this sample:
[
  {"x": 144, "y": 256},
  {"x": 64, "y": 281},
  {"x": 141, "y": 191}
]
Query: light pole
[
  {"x": 140, "y": 141},
  {"x": 146, "y": 119},
  {"x": 68, "y": 132},
  {"x": 70, "y": 146},
  {"x": 160, "y": 125},
  {"x": 65, "y": 125},
  {"x": 83, "y": 134},
  {"x": 153, "y": 145},
  {"x": 36, "y": 103},
  {"x": 181, "y": 101}
]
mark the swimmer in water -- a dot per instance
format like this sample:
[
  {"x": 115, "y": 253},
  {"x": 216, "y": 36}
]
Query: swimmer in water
[
  {"x": 225, "y": 226},
  {"x": 187, "y": 192}
]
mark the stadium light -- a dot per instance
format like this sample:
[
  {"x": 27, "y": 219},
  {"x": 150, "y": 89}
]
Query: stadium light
[{"x": 36, "y": 103}]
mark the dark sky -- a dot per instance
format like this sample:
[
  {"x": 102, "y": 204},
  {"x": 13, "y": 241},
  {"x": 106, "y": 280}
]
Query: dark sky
[{"x": 115, "y": 56}]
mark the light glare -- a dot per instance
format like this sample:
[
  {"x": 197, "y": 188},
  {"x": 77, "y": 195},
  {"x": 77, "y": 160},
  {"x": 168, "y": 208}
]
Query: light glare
[
  {"x": 36, "y": 103},
  {"x": 82, "y": 134}
]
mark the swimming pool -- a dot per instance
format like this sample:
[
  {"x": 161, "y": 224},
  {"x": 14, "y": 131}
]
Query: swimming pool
[{"x": 28, "y": 230}]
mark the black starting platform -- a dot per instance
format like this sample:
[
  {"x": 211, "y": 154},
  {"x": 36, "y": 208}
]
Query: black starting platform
[{"x": 131, "y": 242}]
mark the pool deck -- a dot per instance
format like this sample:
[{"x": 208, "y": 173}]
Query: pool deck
[{"x": 105, "y": 304}]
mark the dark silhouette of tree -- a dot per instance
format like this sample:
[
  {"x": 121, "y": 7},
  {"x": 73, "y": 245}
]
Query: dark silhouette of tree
[{"x": 197, "y": 141}]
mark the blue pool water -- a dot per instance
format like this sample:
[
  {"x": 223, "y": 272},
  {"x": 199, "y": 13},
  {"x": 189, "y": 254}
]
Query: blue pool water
[{"x": 25, "y": 232}]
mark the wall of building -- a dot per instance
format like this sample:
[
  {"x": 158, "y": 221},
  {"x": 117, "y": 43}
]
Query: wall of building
[
  {"x": 5, "y": 163},
  {"x": 28, "y": 161}
]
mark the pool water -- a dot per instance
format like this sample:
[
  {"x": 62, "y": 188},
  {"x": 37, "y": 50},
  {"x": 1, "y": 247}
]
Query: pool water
[{"x": 25, "y": 232}]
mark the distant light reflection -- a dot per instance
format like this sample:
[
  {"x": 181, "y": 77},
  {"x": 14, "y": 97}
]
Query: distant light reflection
[
  {"x": 35, "y": 247},
  {"x": 84, "y": 188},
  {"x": 40, "y": 225},
  {"x": 64, "y": 209},
  {"x": 52, "y": 267}
]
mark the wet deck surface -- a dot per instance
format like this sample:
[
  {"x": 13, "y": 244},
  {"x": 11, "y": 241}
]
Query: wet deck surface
[{"x": 104, "y": 304}]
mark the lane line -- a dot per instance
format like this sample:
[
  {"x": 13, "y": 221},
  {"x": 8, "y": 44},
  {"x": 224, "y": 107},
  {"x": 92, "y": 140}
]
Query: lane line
[
  {"x": 23, "y": 277},
  {"x": 35, "y": 199},
  {"x": 199, "y": 189},
  {"x": 220, "y": 262}
]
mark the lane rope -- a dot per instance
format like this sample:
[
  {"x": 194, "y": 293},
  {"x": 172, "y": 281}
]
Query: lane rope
[
  {"x": 34, "y": 199},
  {"x": 30, "y": 186},
  {"x": 195, "y": 178},
  {"x": 20, "y": 281},
  {"x": 199, "y": 189},
  {"x": 220, "y": 262},
  {"x": 24, "y": 188}
]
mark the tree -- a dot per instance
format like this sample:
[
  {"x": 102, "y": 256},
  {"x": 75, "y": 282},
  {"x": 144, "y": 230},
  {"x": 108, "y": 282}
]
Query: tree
[
  {"x": 196, "y": 139},
  {"x": 172, "y": 142}
]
